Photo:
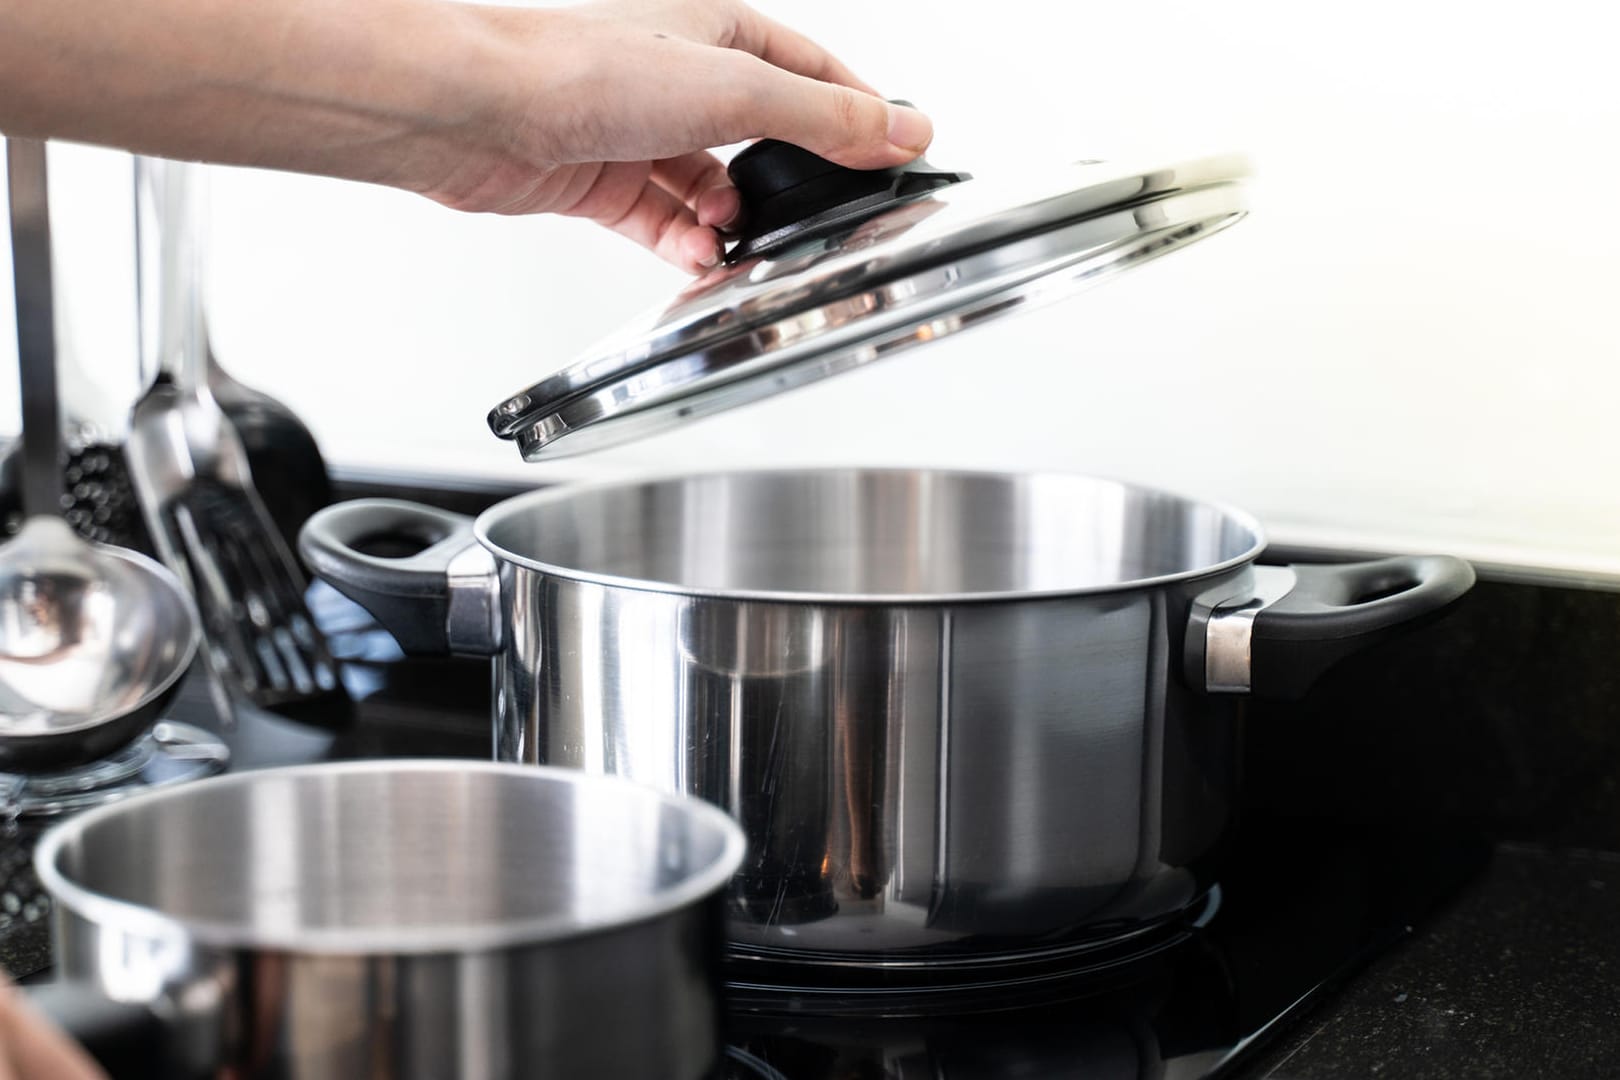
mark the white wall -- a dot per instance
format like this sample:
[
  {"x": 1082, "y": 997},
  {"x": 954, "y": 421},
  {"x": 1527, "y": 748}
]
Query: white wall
[
  {"x": 1413, "y": 341},
  {"x": 93, "y": 256}
]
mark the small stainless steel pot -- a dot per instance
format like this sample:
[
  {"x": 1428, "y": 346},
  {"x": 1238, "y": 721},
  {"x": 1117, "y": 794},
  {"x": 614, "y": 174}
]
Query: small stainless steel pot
[
  {"x": 962, "y": 717},
  {"x": 413, "y": 919}
]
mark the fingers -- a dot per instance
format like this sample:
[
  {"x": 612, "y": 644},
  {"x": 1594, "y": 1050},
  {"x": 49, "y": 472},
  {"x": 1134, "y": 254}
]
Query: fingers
[
  {"x": 708, "y": 95},
  {"x": 720, "y": 208},
  {"x": 699, "y": 180},
  {"x": 786, "y": 48},
  {"x": 856, "y": 129},
  {"x": 626, "y": 199},
  {"x": 31, "y": 1046},
  {"x": 838, "y": 122}
]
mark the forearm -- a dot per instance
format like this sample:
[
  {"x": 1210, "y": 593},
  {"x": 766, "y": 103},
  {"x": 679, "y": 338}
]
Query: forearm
[
  {"x": 604, "y": 111},
  {"x": 364, "y": 89}
]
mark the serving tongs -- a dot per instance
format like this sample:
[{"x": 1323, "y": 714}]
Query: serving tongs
[{"x": 205, "y": 516}]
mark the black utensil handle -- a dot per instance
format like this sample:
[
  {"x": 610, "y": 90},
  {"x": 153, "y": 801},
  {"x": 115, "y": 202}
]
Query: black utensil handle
[
  {"x": 409, "y": 593},
  {"x": 1335, "y": 610},
  {"x": 36, "y": 326},
  {"x": 129, "y": 1042}
]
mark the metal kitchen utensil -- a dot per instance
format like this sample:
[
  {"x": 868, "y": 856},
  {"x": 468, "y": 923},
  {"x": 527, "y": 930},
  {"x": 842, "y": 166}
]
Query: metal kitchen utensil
[
  {"x": 965, "y": 719},
  {"x": 402, "y": 920},
  {"x": 196, "y": 486},
  {"x": 93, "y": 639},
  {"x": 843, "y": 268},
  {"x": 99, "y": 500}
]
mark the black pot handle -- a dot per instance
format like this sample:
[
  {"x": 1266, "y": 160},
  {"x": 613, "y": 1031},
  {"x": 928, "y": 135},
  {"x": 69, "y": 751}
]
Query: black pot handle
[
  {"x": 398, "y": 560},
  {"x": 1277, "y": 637},
  {"x": 129, "y": 1042}
]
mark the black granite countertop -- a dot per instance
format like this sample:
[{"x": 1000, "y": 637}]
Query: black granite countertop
[
  {"x": 1518, "y": 977},
  {"x": 1505, "y": 716}
]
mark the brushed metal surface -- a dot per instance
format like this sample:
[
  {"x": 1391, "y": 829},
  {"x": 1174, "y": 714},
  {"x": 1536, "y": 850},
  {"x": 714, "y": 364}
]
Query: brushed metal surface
[
  {"x": 924, "y": 268},
  {"x": 404, "y": 919},
  {"x": 194, "y": 481},
  {"x": 941, "y": 705}
]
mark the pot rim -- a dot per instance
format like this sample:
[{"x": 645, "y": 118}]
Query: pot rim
[
  {"x": 142, "y": 920},
  {"x": 562, "y": 492}
]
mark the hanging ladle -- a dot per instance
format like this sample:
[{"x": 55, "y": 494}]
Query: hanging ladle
[{"x": 93, "y": 638}]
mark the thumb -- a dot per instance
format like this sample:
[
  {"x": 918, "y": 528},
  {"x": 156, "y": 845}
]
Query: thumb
[{"x": 840, "y": 123}]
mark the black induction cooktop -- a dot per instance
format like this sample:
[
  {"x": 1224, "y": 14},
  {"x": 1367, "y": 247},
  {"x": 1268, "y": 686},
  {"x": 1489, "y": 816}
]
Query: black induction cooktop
[{"x": 1303, "y": 906}]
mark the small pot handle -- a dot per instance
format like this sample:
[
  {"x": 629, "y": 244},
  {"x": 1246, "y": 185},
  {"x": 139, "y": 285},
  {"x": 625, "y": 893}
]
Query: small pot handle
[
  {"x": 1275, "y": 639},
  {"x": 440, "y": 596}
]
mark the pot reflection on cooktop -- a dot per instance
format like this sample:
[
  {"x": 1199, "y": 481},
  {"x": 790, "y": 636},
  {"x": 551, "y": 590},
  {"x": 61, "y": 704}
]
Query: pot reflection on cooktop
[{"x": 1304, "y": 905}]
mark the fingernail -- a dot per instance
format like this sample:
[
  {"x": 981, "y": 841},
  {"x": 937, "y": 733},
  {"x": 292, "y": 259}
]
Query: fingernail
[
  {"x": 711, "y": 260},
  {"x": 909, "y": 129}
]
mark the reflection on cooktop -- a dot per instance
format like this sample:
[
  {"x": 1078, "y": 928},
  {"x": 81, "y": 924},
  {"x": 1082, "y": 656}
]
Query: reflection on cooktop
[{"x": 1304, "y": 905}]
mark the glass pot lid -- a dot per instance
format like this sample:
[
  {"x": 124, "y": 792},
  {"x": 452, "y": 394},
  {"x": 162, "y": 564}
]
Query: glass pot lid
[{"x": 841, "y": 267}]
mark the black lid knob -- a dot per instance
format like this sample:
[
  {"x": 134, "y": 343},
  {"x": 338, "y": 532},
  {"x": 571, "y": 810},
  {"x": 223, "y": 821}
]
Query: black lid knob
[
  {"x": 789, "y": 194},
  {"x": 770, "y": 168}
]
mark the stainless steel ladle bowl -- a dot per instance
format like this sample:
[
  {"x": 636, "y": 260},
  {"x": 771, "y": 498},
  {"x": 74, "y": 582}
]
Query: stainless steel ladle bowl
[
  {"x": 93, "y": 639},
  {"x": 93, "y": 642}
]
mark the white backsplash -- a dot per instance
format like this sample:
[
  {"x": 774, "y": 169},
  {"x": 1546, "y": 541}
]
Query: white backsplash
[{"x": 1412, "y": 343}]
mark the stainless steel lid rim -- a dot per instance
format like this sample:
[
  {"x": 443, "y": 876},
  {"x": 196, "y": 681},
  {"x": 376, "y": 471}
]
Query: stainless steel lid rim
[
  {"x": 687, "y": 335},
  {"x": 556, "y": 392},
  {"x": 521, "y": 504},
  {"x": 140, "y": 920},
  {"x": 1103, "y": 196},
  {"x": 938, "y": 258},
  {"x": 736, "y": 365},
  {"x": 888, "y": 312}
]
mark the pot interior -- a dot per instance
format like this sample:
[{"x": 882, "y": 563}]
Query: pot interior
[
  {"x": 870, "y": 533},
  {"x": 423, "y": 856}
]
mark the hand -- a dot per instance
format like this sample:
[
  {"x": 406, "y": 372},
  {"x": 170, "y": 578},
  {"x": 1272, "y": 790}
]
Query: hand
[
  {"x": 605, "y": 111},
  {"x": 628, "y": 95},
  {"x": 31, "y": 1048}
]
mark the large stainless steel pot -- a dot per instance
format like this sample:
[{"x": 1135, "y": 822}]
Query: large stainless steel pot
[
  {"x": 398, "y": 920},
  {"x": 960, "y": 716}
]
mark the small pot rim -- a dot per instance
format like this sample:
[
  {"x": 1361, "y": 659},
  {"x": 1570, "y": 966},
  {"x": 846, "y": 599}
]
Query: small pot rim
[
  {"x": 142, "y": 920},
  {"x": 563, "y": 492}
]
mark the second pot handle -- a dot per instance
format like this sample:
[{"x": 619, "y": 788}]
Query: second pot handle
[
  {"x": 439, "y": 595},
  {"x": 1295, "y": 622}
]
